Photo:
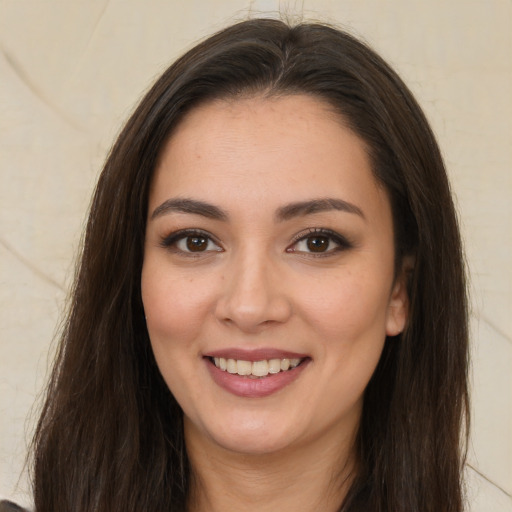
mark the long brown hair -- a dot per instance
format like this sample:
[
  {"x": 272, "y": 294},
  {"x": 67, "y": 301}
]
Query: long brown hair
[{"x": 110, "y": 435}]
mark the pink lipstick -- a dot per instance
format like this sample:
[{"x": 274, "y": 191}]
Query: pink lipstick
[{"x": 255, "y": 373}]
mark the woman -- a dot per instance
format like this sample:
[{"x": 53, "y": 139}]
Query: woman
[{"x": 270, "y": 308}]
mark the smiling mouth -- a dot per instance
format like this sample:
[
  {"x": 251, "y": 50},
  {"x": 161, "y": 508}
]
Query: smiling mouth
[{"x": 256, "y": 369}]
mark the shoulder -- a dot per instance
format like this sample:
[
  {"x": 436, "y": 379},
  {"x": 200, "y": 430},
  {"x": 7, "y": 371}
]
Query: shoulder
[{"x": 9, "y": 506}]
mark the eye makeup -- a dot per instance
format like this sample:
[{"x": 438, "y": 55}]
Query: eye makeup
[
  {"x": 319, "y": 242},
  {"x": 191, "y": 242}
]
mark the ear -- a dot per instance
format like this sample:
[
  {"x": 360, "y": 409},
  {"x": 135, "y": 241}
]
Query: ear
[{"x": 398, "y": 307}]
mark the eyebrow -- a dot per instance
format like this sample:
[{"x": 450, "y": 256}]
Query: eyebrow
[
  {"x": 315, "y": 206},
  {"x": 286, "y": 212},
  {"x": 183, "y": 205}
]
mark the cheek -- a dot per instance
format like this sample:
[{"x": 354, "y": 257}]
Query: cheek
[
  {"x": 350, "y": 327},
  {"x": 176, "y": 307},
  {"x": 349, "y": 309}
]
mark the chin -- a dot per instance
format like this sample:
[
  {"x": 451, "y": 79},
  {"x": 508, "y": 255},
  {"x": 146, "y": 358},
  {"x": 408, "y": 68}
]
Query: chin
[
  {"x": 245, "y": 443},
  {"x": 248, "y": 434}
]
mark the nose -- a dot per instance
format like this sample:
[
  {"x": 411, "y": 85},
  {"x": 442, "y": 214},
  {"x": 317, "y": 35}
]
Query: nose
[{"x": 254, "y": 295}]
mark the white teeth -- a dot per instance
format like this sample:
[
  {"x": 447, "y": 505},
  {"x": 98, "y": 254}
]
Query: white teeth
[
  {"x": 231, "y": 366},
  {"x": 260, "y": 368},
  {"x": 274, "y": 366},
  {"x": 244, "y": 367},
  {"x": 257, "y": 368}
]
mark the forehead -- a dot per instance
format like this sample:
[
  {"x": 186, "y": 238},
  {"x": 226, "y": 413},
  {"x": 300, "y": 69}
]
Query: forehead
[
  {"x": 242, "y": 149},
  {"x": 285, "y": 116}
]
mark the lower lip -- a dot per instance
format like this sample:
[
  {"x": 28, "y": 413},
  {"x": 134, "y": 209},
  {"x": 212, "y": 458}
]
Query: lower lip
[{"x": 254, "y": 388}]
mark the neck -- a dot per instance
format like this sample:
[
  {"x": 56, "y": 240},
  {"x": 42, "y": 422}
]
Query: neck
[{"x": 311, "y": 477}]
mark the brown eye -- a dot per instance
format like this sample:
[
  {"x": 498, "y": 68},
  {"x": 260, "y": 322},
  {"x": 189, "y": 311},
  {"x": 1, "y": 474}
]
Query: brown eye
[
  {"x": 317, "y": 243},
  {"x": 190, "y": 241},
  {"x": 197, "y": 243}
]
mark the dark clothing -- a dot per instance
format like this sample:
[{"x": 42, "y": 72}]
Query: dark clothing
[{"x": 9, "y": 506}]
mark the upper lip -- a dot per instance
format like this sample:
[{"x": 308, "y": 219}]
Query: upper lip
[{"x": 258, "y": 354}]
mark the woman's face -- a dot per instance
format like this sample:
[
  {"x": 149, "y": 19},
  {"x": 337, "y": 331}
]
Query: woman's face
[{"x": 268, "y": 277}]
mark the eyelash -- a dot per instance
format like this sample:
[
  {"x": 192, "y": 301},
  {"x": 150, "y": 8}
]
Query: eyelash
[
  {"x": 341, "y": 242},
  {"x": 170, "y": 241}
]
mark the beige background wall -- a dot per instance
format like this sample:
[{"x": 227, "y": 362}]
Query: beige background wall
[{"x": 71, "y": 71}]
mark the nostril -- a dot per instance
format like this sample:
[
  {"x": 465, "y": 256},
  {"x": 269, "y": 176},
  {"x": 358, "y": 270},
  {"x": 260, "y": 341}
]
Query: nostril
[{"x": 252, "y": 302}]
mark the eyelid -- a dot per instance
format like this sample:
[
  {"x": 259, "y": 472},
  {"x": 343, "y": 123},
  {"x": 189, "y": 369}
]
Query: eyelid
[
  {"x": 169, "y": 241},
  {"x": 342, "y": 242}
]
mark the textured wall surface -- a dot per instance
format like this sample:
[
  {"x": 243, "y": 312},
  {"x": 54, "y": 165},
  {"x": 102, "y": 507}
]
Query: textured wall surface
[{"x": 72, "y": 70}]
